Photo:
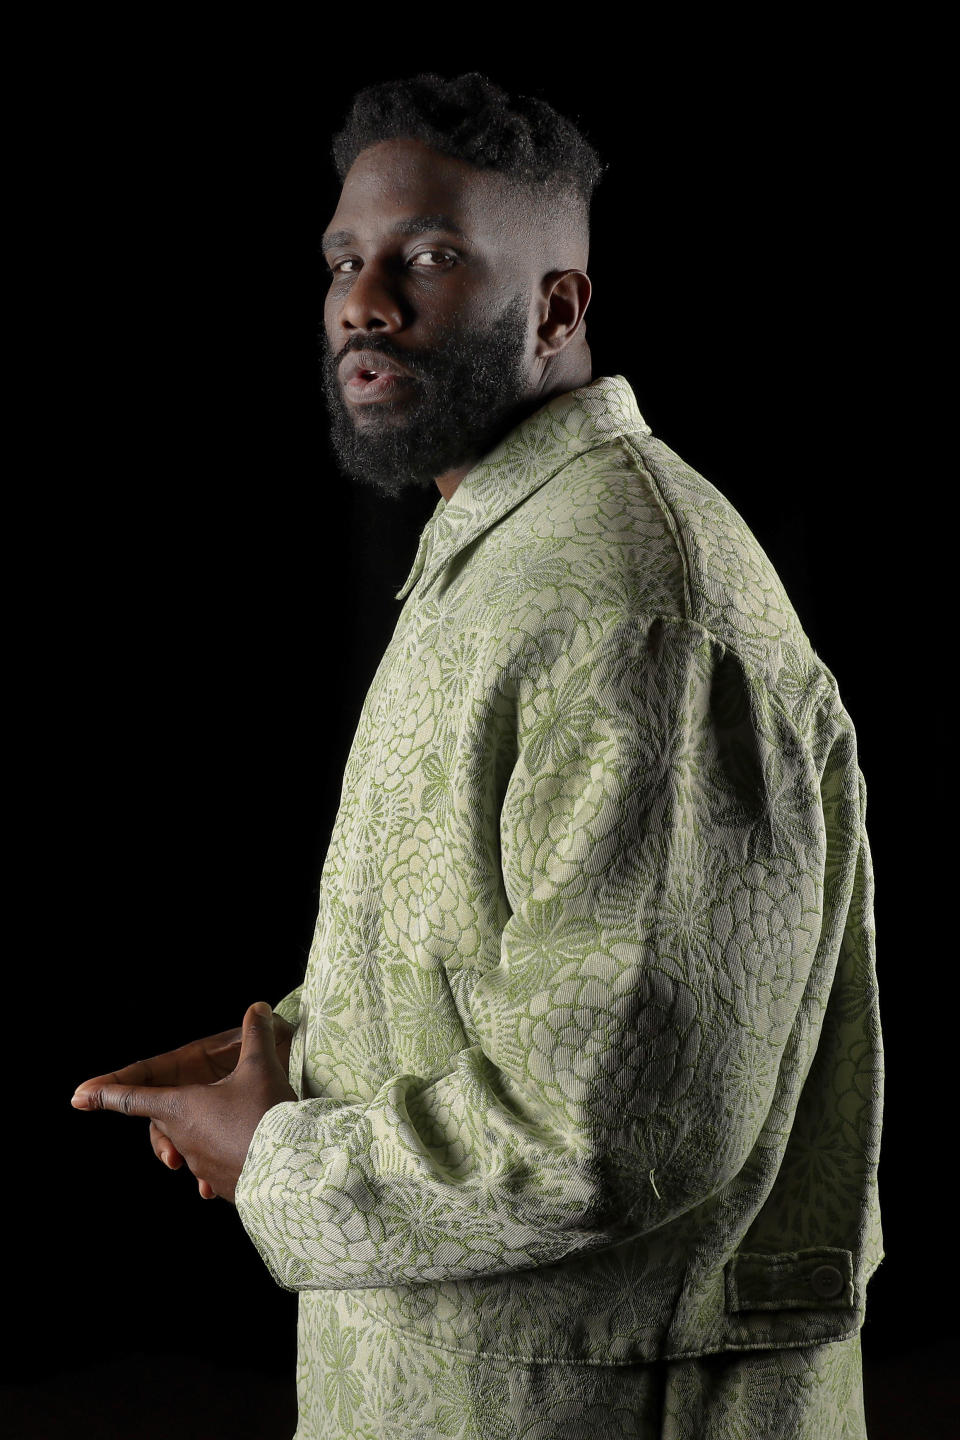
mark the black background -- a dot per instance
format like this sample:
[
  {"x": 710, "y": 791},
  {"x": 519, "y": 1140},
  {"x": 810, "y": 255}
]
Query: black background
[{"x": 203, "y": 598}]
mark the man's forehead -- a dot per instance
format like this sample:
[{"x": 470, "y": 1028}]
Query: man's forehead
[{"x": 404, "y": 186}]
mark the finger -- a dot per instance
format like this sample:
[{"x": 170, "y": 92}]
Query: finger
[
  {"x": 207, "y": 1191},
  {"x": 258, "y": 1042},
  {"x": 164, "y": 1148},
  {"x": 158, "y": 1104},
  {"x": 193, "y": 1064}
]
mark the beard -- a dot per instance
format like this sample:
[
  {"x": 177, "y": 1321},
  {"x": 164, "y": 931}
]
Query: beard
[{"x": 468, "y": 390}]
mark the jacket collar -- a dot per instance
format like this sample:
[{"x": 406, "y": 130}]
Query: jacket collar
[{"x": 567, "y": 426}]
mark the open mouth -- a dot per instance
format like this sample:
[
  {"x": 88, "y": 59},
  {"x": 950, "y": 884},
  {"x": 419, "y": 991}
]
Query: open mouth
[
  {"x": 366, "y": 384},
  {"x": 366, "y": 376}
]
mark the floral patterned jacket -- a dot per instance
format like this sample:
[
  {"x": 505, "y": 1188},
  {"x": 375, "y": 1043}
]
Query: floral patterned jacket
[{"x": 588, "y": 1046}]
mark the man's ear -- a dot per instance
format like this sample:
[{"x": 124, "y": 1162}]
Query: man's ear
[{"x": 565, "y": 297}]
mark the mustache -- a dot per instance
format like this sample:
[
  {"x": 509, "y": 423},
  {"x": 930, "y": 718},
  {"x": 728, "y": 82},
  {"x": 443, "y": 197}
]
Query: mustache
[{"x": 411, "y": 360}]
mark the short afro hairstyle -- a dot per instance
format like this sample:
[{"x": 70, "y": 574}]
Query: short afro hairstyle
[{"x": 474, "y": 120}]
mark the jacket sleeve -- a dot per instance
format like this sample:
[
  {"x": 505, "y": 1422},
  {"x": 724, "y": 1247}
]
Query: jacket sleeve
[
  {"x": 662, "y": 853},
  {"x": 289, "y": 1006}
]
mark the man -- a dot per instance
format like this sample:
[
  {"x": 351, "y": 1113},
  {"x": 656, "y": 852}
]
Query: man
[{"x": 572, "y": 1128}]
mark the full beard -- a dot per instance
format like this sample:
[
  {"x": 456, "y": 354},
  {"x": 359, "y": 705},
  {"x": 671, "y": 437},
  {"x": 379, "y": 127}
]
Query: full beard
[{"x": 469, "y": 390}]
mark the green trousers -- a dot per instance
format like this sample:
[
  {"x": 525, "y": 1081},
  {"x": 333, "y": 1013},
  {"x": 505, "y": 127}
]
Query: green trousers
[{"x": 368, "y": 1381}]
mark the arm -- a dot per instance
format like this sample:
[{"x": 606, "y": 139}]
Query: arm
[{"x": 662, "y": 853}]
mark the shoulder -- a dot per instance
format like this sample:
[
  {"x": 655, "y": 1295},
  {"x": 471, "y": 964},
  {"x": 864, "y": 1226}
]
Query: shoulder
[
  {"x": 602, "y": 521},
  {"x": 732, "y": 588},
  {"x": 594, "y": 523},
  {"x": 656, "y": 538}
]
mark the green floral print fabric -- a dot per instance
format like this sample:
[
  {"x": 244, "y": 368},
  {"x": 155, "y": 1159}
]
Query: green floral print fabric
[
  {"x": 369, "y": 1381},
  {"x": 588, "y": 1047}
]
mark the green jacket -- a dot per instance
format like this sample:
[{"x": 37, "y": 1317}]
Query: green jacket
[{"x": 588, "y": 1044}]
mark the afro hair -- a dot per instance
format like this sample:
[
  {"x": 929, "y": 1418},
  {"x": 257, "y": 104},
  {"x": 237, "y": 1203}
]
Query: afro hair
[{"x": 474, "y": 120}]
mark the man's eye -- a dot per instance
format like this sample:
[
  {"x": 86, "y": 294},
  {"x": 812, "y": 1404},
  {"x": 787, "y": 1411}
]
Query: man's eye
[
  {"x": 433, "y": 259},
  {"x": 338, "y": 266}
]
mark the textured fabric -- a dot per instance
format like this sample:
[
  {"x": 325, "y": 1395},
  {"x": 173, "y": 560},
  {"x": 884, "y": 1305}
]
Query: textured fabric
[
  {"x": 588, "y": 1048},
  {"x": 368, "y": 1381}
]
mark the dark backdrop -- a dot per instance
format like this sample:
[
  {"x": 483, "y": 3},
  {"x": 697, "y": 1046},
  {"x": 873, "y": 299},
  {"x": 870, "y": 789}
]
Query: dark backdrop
[{"x": 205, "y": 599}]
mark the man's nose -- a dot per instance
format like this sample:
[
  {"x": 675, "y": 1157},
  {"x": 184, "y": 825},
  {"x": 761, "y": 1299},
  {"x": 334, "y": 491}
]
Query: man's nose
[{"x": 372, "y": 303}]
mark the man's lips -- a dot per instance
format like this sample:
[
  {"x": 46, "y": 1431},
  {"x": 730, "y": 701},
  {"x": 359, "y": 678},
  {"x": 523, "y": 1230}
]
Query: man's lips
[{"x": 366, "y": 375}]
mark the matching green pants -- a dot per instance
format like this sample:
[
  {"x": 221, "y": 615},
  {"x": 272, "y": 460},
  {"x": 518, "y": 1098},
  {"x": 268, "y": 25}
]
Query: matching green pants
[{"x": 361, "y": 1379}]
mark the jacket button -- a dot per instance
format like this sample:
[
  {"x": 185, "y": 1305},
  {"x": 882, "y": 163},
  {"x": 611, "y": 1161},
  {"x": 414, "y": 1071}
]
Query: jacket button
[{"x": 827, "y": 1281}]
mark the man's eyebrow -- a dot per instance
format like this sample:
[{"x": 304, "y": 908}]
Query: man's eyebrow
[
  {"x": 412, "y": 225},
  {"x": 417, "y": 224}
]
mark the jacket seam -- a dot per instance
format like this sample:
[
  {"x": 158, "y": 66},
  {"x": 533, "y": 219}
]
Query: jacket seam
[
  {"x": 672, "y": 522},
  {"x": 757, "y": 679},
  {"x": 513, "y": 1358}
]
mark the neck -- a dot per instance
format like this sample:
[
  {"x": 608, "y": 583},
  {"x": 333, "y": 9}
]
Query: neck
[{"x": 446, "y": 484}]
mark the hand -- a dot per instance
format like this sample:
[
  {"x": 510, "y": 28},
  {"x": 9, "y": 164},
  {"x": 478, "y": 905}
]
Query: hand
[
  {"x": 206, "y": 1099},
  {"x": 202, "y": 1062}
]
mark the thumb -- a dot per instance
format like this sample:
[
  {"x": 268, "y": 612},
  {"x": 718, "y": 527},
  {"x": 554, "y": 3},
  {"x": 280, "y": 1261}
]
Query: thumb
[{"x": 257, "y": 1040}]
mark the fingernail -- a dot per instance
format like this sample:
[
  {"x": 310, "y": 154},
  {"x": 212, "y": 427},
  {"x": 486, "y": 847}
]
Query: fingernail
[{"x": 81, "y": 1100}]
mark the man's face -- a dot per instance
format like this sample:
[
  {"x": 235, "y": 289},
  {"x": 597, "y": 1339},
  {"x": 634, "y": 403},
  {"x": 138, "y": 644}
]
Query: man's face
[{"x": 428, "y": 316}]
